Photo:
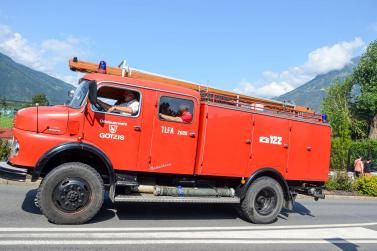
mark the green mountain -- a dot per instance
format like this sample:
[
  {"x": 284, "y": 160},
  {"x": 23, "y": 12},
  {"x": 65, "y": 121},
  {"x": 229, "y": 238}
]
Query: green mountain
[
  {"x": 18, "y": 82},
  {"x": 312, "y": 93}
]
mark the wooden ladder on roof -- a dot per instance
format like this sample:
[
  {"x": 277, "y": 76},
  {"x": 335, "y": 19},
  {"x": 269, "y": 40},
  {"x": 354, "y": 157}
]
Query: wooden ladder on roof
[{"x": 124, "y": 70}]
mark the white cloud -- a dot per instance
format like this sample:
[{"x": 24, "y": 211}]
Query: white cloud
[
  {"x": 271, "y": 89},
  {"x": 320, "y": 61},
  {"x": 18, "y": 48},
  {"x": 47, "y": 56}
]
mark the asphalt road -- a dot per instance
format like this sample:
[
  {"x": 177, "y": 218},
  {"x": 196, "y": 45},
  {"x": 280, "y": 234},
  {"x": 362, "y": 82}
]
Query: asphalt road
[{"x": 330, "y": 224}]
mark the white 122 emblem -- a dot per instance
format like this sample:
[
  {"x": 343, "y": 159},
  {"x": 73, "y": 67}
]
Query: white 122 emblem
[{"x": 274, "y": 140}]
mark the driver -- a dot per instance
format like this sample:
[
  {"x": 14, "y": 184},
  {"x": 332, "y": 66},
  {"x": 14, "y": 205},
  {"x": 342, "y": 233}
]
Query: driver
[{"x": 128, "y": 106}]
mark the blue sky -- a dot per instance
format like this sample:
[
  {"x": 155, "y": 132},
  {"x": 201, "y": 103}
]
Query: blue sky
[{"x": 262, "y": 48}]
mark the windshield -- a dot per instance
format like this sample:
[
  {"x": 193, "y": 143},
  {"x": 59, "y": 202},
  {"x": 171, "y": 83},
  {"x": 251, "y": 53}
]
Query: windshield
[{"x": 80, "y": 94}]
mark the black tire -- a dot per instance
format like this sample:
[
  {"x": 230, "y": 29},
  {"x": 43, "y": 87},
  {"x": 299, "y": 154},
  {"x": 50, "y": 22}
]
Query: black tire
[
  {"x": 263, "y": 201},
  {"x": 72, "y": 193},
  {"x": 36, "y": 199}
]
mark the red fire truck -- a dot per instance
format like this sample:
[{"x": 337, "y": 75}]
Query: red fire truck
[{"x": 147, "y": 138}]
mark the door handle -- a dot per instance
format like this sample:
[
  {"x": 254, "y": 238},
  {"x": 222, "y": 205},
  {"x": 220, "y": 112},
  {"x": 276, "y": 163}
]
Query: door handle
[
  {"x": 192, "y": 134},
  {"x": 248, "y": 141},
  {"x": 285, "y": 145},
  {"x": 309, "y": 148},
  {"x": 137, "y": 128}
]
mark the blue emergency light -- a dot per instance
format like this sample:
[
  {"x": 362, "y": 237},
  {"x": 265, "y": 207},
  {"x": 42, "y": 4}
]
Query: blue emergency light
[
  {"x": 324, "y": 118},
  {"x": 102, "y": 67}
]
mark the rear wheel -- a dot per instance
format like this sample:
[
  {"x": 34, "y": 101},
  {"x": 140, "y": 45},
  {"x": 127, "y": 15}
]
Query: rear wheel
[
  {"x": 72, "y": 193},
  {"x": 263, "y": 201}
]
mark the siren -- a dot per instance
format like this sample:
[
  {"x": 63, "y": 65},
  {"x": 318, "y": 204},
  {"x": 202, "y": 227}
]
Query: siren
[
  {"x": 324, "y": 118},
  {"x": 102, "y": 67}
]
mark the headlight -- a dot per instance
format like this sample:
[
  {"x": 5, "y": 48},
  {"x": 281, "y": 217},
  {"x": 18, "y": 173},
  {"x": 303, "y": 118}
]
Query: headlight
[{"x": 15, "y": 148}]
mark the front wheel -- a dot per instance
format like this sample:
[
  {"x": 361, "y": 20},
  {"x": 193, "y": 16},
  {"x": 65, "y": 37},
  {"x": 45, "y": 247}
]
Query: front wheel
[
  {"x": 72, "y": 193},
  {"x": 263, "y": 201}
]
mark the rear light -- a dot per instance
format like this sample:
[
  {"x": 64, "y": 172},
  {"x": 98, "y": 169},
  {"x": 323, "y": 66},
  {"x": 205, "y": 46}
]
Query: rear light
[{"x": 102, "y": 67}]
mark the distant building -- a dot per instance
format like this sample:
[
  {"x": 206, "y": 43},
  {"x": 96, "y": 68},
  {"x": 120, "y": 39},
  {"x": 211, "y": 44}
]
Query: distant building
[{"x": 7, "y": 112}]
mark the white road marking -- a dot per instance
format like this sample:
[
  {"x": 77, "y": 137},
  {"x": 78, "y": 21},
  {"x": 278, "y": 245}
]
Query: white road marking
[
  {"x": 307, "y": 234},
  {"x": 150, "y": 242},
  {"x": 200, "y": 235},
  {"x": 79, "y": 229}
]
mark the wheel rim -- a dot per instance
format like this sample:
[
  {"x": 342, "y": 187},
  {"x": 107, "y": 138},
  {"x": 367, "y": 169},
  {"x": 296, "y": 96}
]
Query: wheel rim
[
  {"x": 265, "y": 201},
  {"x": 71, "y": 194}
]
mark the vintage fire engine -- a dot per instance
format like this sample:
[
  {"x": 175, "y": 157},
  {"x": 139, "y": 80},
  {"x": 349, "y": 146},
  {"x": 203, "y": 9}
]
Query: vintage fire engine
[{"x": 148, "y": 138}]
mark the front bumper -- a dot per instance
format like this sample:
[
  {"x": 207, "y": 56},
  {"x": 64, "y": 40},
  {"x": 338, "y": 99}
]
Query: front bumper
[{"x": 9, "y": 172}]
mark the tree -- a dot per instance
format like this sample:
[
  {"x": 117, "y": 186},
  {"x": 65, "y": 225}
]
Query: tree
[
  {"x": 365, "y": 76},
  {"x": 3, "y": 103},
  {"x": 335, "y": 105},
  {"x": 40, "y": 98}
]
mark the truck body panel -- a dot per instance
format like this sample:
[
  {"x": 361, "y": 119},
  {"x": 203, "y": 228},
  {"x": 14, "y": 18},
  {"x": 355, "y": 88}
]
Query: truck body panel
[{"x": 249, "y": 140}]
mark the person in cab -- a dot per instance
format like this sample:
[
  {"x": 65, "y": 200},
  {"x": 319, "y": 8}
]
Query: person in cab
[
  {"x": 128, "y": 106},
  {"x": 184, "y": 115}
]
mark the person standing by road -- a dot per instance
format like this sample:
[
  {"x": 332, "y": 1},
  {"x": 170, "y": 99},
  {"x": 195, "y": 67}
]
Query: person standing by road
[
  {"x": 359, "y": 167},
  {"x": 367, "y": 167}
]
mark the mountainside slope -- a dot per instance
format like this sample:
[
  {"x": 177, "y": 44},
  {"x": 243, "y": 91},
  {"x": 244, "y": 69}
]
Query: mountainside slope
[
  {"x": 312, "y": 93},
  {"x": 18, "y": 82}
]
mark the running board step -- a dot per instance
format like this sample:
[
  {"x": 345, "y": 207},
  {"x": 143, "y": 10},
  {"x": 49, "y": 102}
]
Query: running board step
[{"x": 170, "y": 199}]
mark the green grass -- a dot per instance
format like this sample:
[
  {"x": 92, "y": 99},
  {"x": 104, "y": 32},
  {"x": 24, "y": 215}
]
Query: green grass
[{"x": 6, "y": 122}]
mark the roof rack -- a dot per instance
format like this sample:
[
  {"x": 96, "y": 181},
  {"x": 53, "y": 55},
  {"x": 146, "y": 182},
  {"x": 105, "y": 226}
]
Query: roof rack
[{"x": 207, "y": 93}]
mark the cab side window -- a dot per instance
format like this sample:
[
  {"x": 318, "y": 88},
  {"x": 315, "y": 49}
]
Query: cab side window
[
  {"x": 119, "y": 101},
  {"x": 176, "y": 109}
]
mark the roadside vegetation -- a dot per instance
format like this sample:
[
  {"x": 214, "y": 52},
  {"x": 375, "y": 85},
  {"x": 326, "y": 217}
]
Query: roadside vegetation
[
  {"x": 351, "y": 107},
  {"x": 341, "y": 183},
  {"x": 366, "y": 185},
  {"x": 6, "y": 121},
  {"x": 4, "y": 149}
]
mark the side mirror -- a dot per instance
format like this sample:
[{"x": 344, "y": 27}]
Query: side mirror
[
  {"x": 71, "y": 93},
  {"x": 93, "y": 92}
]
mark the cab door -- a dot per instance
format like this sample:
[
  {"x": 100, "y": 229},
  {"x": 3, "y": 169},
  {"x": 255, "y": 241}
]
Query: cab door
[
  {"x": 118, "y": 135},
  {"x": 173, "y": 143}
]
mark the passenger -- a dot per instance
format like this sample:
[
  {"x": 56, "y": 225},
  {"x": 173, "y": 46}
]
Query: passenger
[
  {"x": 359, "y": 167},
  {"x": 185, "y": 115},
  {"x": 128, "y": 106}
]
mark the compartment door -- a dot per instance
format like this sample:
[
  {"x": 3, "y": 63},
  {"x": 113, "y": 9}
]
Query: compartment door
[
  {"x": 270, "y": 143},
  {"x": 309, "y": 154},
  {"x": 226, "y": 142}
]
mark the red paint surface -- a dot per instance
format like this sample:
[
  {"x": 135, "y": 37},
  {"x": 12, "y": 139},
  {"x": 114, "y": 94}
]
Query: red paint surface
[{"x": 220, "y": 141}]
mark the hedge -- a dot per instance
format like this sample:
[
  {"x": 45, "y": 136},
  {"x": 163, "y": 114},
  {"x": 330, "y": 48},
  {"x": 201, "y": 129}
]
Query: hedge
[
  {"x": 366, "y": 185},
  {"x": 4, "y": 149},
  {"x": 340, "y": 182}
]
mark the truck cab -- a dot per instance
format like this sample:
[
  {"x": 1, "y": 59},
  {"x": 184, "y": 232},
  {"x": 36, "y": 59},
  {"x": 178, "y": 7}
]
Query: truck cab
[{"x": 144, "y": 141}]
